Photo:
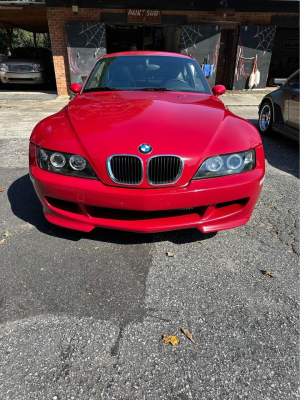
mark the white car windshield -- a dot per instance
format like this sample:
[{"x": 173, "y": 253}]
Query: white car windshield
[{"x": 147, "y": 72}]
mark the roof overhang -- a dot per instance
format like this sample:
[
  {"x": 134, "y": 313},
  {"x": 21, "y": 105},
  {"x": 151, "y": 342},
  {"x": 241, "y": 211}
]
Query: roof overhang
[{"x": 29, "y": 16}]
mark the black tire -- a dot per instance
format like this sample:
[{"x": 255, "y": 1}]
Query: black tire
[{"x": 265, "y": 118}]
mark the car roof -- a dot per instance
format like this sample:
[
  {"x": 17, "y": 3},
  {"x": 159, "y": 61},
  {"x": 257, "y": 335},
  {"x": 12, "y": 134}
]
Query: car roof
[{"x": 146, "y": 53}]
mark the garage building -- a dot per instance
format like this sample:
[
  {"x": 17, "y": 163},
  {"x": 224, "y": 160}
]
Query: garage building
[{"x": 227, "y": 37}]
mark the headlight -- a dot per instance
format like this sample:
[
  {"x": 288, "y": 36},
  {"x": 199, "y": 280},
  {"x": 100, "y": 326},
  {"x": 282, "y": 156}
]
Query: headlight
[
  {"x": 65, "y": 164},
  {"x": 38, "y": 67},
  {"x": 3, "y": 67},
  {"x": 227, "y": 164}
]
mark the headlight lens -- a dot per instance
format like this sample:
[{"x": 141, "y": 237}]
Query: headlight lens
[
  {"x": 38, "y": 67},
  {"x": 78, "y": 163},
  {"x": 58, "y": 160},
  {"x": 214, "y": 164},
  {"x": 227, "y": 164},
  {"x": 3, "y": 67},
  {"x": 65, "y": 164}
]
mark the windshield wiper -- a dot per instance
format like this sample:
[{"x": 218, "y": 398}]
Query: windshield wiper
[
  {"x": 101, "y": 89},
  {"x": 154, "y": 89}
]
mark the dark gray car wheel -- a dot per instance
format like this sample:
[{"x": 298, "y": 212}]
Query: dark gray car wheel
[{"x": 265, "y": 118}]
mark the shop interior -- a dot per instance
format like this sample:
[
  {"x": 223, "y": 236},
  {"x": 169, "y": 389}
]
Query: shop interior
[{"x": 130, "y": 38}]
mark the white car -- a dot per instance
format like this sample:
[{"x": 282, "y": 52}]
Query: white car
[{"x": 28, "y": 65}]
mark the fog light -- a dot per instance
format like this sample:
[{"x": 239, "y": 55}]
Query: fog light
[{"x": 57, "y": 160}]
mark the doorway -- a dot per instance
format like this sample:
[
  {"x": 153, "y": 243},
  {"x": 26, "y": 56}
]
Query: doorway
[
  {"x": 123, "y": 38},
  {"x": 225, "y": 58},
  {"x": 153, "y": 38}
]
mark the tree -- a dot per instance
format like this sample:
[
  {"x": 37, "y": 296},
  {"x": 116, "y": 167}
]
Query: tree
[
  {"x": 3, "y": 42},
  {"x": 22, "y": 38}
]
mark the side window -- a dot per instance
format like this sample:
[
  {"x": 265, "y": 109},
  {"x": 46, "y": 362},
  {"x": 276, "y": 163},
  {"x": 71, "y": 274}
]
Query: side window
[{"x": 294, "y": 82}]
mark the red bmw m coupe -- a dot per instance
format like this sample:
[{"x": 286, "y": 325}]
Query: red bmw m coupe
[{"x": 146, "y": 146}]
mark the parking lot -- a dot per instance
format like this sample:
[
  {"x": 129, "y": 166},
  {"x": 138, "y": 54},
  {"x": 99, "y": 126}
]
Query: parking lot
[{"x": 83, "y": 315}]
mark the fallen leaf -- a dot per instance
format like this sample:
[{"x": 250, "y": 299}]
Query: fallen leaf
[
  {"x": 267, "y": 272},
  {"x": 169, "y": 254},
  {"x": 96, "y": 248},
  {"x": 18, "y": 231},
  {"x": 199, "y": 241},
  {"x": 6, "y": 234},
  {"x": 171, "y": 339},
  {"x": 188, "y": 335},
  {"x": 1, "y": 190},
  {"x": 2, "y": 241}
]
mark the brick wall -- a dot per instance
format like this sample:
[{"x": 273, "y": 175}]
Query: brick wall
[{"x": 59, "y": 17}]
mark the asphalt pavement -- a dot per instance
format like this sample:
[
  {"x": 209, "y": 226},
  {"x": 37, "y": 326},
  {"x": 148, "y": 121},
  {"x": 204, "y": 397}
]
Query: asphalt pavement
[{"x": 82, "y": 315}]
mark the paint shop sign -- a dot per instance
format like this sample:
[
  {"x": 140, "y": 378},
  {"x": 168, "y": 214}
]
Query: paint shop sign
[{"x": 144, "y": 16}]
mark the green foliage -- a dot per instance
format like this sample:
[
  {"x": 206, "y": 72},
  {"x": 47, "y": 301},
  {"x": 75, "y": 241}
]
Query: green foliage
[
  {"x": 23, "y": 38},
  {"x": 3, "y": 42}
]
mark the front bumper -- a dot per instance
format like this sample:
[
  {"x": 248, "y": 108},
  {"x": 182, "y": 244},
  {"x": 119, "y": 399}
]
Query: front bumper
[
  {"x": 209, "y": 205},
  {"x": 31, "y": 78}
]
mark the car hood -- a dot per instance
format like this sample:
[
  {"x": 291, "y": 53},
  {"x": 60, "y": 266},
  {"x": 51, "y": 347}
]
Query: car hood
[{"x": 193, "y": 126}]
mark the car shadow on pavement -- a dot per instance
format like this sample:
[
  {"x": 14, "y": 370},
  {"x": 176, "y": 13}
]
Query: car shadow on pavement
[
  {"x": 280, "y": 152},
  {"x": 26, "y": 206}
]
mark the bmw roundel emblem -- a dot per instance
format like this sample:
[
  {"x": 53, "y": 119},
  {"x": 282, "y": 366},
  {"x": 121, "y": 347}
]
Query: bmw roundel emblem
[{"x": 145, "y": 148}]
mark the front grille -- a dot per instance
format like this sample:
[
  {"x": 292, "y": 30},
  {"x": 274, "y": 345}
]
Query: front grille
[
  {"x": 163, "y": 170},
  {"x": 125, "y": 169},
  {"x": 21, "y": 68}
]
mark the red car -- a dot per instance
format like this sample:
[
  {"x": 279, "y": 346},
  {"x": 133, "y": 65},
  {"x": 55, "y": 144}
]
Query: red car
[{"x": 146, "y": 146}]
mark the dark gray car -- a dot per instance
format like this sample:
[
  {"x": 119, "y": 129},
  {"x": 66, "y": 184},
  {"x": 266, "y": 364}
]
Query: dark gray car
[{"x": 279, "y": 110}]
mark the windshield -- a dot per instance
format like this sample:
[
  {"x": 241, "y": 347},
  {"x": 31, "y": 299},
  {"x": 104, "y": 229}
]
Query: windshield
[{"x": 140, "y": 72}]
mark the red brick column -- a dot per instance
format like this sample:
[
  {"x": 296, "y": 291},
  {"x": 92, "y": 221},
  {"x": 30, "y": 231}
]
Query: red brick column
[{"x": 57, "y": 20}]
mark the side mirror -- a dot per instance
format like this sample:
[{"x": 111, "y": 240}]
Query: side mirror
[
  {"x": 75, "y": 88},
  {"x": 218, "y": 90}
]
